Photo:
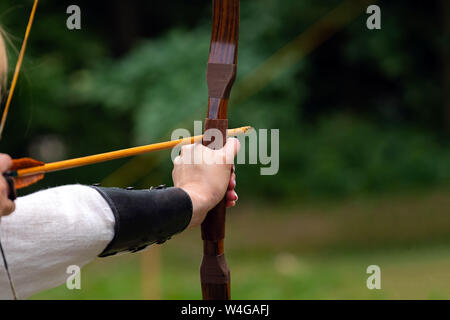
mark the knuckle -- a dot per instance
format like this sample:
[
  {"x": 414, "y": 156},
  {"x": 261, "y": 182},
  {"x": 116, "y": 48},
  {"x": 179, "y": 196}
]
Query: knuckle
[
  {"x": 177, "y": 161},
  {"x": 6, "y": 158},
  {"x": 187, "y": 147},
  {"x": 11, "y": 207}
]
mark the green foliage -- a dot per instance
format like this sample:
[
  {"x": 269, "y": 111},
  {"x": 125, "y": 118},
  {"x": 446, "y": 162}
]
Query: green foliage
[
  {"x": 160, "y": 82},
  {"x": 360, "y": 114}
]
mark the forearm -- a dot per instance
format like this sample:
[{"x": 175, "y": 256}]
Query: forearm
[
  {"x": 144, "y": 217},
  {"x": 71, "y": 225},
  {"x": 51, "y": 230}
]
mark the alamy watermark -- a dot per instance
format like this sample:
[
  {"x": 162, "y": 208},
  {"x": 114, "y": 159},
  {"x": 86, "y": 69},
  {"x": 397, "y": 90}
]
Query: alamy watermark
[
  {"x": 73, "y": 22},
  {"x": 257, "y": 147},
  {"x": 374, "y": 20},
  {"x": 73, "y": 281},
  {"x": 374, "y": 280}
]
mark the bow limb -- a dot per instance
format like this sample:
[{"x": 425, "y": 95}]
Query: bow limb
[
  {"x": 221, "y": 73},
  {"x": 18, "y": 67}
]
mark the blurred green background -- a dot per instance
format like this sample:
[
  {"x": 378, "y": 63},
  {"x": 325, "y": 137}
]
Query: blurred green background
[{"x": 364, "y": 119}]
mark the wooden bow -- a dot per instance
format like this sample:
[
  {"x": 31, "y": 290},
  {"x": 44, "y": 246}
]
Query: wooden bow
[{"x": 221, "y": 73}]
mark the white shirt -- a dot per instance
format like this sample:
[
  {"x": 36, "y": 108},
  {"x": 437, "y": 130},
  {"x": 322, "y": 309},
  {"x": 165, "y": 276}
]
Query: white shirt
[{"x": 50, "y": 231}]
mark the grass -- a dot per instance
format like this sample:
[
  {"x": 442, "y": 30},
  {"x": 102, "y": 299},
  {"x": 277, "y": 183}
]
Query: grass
[{"x": 318, "y": 251}]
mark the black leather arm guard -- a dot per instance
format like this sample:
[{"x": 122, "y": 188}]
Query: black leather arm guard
[{"x": 144, "y": 217}]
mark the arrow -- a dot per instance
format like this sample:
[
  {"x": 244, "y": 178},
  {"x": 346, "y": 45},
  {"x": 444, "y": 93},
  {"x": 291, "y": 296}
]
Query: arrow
[{"x": 27, "y": 171}]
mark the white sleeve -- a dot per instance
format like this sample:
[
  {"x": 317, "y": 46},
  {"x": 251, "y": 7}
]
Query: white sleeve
[{"x": 50, "y": 231}]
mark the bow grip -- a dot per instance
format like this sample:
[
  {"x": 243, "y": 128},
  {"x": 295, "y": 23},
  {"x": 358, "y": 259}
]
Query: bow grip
[{"x": 213, "y": 228}]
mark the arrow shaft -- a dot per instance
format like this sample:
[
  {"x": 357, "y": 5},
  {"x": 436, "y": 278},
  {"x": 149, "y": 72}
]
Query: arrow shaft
[{"x": 102, "y": 157}]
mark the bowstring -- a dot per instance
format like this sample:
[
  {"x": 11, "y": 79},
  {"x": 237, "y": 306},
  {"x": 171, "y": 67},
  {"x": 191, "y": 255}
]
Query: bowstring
[
  {"x": 18, "y": 67},
  {"x": 8, "y": 274},
  {"x": 5, "y": 115}
]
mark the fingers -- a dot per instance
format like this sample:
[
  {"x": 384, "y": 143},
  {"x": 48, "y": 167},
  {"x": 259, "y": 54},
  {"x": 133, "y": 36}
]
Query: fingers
[
  {"x": 230, "y": 205},
  {"x": 231, "y": 194},
  {"x": 5, "y": 162},
  {"x": 192, "y": 154},
  {"x": 6, "y": 206},
  {"x": 199, "y": 154},
  {"x": 177, "y": 161},
  {"x": 187, "y": 149},
  {"x": 232, "y": 197},
  {"x": 232, "y": 183},
  {"x": 231, "y": 149},
  {"x": 200, "y": 170},
  {"x": 233, "y": 145}
]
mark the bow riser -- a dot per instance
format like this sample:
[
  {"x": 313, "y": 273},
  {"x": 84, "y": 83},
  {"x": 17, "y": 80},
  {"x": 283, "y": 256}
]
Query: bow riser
[{"x": 221, "y": 73}]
